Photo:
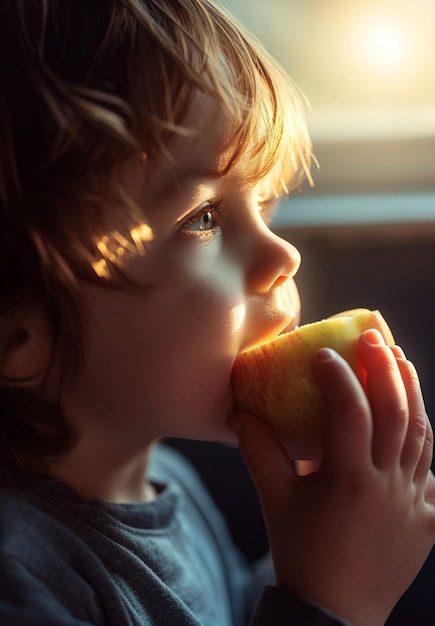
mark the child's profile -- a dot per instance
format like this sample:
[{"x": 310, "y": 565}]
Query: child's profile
[{"x": 145, "y": 147}]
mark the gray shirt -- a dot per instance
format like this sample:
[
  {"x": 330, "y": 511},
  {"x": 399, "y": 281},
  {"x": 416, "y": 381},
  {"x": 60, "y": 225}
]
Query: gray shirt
[{"x": 65, "y": 561}]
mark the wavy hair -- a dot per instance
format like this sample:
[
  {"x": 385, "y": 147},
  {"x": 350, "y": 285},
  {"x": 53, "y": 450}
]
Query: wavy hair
[{"x": 84, "y": 86}]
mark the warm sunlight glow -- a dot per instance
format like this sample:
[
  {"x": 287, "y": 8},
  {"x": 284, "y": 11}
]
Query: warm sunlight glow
[
  {"x": 386, "y": 42},
  {"x": 367, "y": 66},
  {"x": 387, "y": 51},
  {"x": 386, "y": 45}
]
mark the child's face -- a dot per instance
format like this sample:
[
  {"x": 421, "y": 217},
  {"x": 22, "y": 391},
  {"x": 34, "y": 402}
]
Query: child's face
[{"x": 217, "y": 281}]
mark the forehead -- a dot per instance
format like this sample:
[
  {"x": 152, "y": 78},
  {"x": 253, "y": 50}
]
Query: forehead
[{"x": 203, "y": 150}]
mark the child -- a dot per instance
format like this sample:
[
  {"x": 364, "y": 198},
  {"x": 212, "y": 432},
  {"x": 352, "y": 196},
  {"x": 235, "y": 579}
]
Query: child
[{"x": 144, "y": 144}]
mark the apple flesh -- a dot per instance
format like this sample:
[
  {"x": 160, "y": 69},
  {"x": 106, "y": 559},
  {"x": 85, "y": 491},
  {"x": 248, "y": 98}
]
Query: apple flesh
[{"x": 274, "y": 380}]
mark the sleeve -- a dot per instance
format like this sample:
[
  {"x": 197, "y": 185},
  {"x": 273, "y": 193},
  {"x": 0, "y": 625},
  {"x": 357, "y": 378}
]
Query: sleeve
[
  {"x": 25, "y": 600},
  {"x": 278, "y": 607},
  {"x": 44, "y": 598}
]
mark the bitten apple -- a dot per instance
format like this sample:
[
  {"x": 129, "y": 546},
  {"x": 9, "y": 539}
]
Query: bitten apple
[{"x": 274, "y": 380}]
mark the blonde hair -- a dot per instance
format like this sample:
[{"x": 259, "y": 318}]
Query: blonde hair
[{"x": 84, "y": 87}]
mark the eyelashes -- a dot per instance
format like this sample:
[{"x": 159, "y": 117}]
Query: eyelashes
[
  {"x": 212, "y": 216},
  {"x": 208, "y": 218}
]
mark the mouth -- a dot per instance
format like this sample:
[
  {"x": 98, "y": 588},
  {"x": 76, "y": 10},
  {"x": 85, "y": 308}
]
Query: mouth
[
  {"x": 290, "y": 326},
  {"x": 287, "y": 306},
  {"x": 276, "y": 313},
  {"x": 277, "y": 324}
]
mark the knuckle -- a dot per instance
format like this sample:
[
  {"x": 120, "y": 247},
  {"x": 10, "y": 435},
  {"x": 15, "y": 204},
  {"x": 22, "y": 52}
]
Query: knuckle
[
  {"x": 429, "y": 432},
  {"x": 398, "y": 416},
  {"x": 418, "y": 428}
]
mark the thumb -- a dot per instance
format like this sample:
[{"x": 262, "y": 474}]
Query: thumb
[{"x": 266, "y": 460}]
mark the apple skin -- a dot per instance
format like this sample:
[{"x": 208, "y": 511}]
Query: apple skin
[{"x": 274, "y": 380}]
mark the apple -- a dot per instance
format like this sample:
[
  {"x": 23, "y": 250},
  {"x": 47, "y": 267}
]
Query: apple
[{"x": 274, "y": 380}]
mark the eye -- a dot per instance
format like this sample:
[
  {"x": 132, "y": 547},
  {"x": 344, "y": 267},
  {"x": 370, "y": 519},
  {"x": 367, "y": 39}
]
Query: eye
[{"x": 205, "y": 220}]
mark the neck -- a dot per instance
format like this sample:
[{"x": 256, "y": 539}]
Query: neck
[{"x": 98, "y": 470}]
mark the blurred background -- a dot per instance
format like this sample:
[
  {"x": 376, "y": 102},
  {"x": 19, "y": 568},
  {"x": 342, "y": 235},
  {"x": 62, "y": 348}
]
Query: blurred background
[{"x": 366, "y": 230}]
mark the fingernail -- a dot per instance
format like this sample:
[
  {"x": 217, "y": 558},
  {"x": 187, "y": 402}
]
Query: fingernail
[
  {"x": 374, "y": 337},
  {"x": 398, "y": 352}
]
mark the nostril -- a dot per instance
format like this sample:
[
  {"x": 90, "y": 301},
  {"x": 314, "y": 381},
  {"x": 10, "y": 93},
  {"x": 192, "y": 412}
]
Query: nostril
[
  {"x": 272, "y": 261},
  {"x": 280, "y": 280}
]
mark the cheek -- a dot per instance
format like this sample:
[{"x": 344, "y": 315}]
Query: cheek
[
  {"x": 167, "y": 357},
  {"x": 204, "y": 292},
  {"x": 196, "y": 338},
  {"x": 201, "y": 325}
]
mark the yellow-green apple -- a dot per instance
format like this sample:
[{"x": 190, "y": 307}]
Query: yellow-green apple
[{"x": 274, "y": 380}]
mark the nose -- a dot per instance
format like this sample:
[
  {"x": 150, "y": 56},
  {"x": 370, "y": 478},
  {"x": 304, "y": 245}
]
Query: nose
[{"x": 273, "y": 261}]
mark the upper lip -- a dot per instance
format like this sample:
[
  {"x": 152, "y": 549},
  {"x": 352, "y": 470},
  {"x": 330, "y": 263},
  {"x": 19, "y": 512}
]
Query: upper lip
[{"x": 276, "y": 312}]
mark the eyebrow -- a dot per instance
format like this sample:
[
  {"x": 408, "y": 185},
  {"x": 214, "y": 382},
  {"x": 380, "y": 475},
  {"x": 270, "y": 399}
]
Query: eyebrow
[{"x": 176, "y": 180}]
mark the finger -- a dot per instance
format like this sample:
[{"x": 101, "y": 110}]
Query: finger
[
  {"x": 347, "y": 426},
  {"x": 266, "y": 459},
  {"x": 387, "y": 396},
  {"x": 429, "y": 491},
  {"x": 424, "y": 464},
  {"x": 417, "y": 447}
]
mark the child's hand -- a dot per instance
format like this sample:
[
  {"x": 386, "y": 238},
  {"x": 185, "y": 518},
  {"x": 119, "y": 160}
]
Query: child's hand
[{"x": 353, "y": 535}]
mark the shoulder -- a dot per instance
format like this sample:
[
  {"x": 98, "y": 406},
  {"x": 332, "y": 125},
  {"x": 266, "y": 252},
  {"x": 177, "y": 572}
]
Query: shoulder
[
  {"x": 37, "y": 556},
  {"x": 48, "y": 571},
  {"x": 21, "y": 520},
  {"x": 30, "y": 534},
  {"x": 34, "y": 529}
]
